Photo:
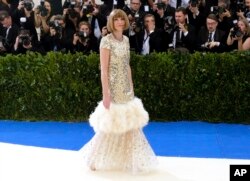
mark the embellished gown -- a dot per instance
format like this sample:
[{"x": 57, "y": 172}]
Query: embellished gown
[{"x": 119, "y": 142}]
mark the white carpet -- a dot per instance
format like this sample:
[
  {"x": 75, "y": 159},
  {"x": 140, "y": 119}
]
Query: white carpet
[{"x": 26, "y": 163}]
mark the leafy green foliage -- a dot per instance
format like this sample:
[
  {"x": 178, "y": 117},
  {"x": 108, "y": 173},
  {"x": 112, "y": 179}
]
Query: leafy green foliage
[{"x": 212, "y": 87}]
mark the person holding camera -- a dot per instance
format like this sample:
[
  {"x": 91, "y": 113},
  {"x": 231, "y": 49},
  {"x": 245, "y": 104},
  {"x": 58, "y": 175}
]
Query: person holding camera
[
  {"x": 52, "y": 41},
  {"x": 210, "y": 38},
  {"x": 25, "y": 12},
  {"x": 42, "y": 16},
  {"x": 109, "y": 5},
  {"x": 84, "y": 40},
  {"x": 243, "y": 9},
  {"x": 72, "y": 12},
  {"x": 196, "y": 14},
  {"x": 163, "y": 15},
  {"x": 150, "y": 39},
  {"x": 60, "y": 35},
  {"x": 224, "y": 15},
  {"x": 8, "y": 32},
  {"x": 182, "y": 35},
  {"x": 135, "y": 16},
  {"x": 133, "y": 9},
  {"x": 25, "y": 43},
  {"x": 169, "y": 10},
  {"x": 239, "y": 36},
  {"x": 96, "y": 19}
]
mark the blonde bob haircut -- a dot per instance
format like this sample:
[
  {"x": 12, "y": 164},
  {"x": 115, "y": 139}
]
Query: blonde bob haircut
[{"x": 117, "y": 13}]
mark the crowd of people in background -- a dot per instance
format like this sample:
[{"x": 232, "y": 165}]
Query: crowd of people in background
[{"x": 155, "y": 26}]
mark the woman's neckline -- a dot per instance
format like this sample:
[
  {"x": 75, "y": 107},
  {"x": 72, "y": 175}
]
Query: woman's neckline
[{"x": 119, "y": 40}]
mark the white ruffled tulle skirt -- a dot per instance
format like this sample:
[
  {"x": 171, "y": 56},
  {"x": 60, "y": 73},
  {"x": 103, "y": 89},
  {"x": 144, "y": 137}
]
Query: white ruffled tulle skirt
[{"x": 119, "y": 142}]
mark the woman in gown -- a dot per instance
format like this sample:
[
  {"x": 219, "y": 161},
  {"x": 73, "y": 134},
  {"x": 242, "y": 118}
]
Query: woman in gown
[{"x": 119, "y": 142}]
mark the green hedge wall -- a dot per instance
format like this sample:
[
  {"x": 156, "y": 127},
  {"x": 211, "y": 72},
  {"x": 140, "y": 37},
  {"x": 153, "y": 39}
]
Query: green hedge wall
[{"x": 211, "y": 87}]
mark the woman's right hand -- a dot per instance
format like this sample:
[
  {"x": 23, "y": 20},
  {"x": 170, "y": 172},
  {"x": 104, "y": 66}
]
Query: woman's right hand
[{"x": 106, "y": 101}]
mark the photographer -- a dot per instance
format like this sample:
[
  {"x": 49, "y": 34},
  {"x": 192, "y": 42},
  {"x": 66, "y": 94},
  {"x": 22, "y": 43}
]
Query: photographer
[
  {"x": 25, "y": 43},
  {"x": 8, "y": 32},
  {"x": 59, "y": 37},
  {"x": 210, "y": 38},
  {"x": 42, "y": 16},
  {"x": 134, "y": 9},
  {"x": 76, "y": 11},
  {"x": 84, "y": 41},
  {"x": 108, "y": 5},
  {"x": 224, "y": 15},
  {"x": 150, "y": 39},
  {"x": 168, "y": 9},
  {"x": 72, "y": 12},
  {"x": 96, "y": 18},
  {"x": 135, "y": 16},
  {"x": 239, "y": 36},
  {"x": 25, "y": 10},
  {"x": 182, "y": 36},
  {"x": 196, "y": 14},
  {"x": 162, "y": 15},
  {"x": 243, "y": 9}
]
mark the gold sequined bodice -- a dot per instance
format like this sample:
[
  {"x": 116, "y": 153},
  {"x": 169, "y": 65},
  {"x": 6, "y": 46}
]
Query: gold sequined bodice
[{"x": 119, "y": 83}]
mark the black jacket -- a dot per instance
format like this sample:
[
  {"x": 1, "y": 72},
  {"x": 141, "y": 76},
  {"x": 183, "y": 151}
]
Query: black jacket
[
  {"x": 219, "y": 36},
  {"x": 157, "y": 41},
  {"x": 187, "y": 41}
]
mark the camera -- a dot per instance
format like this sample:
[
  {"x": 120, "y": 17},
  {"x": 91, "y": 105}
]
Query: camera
[
  {"x": 28, "y": 4},
  {"x": 83, "y": 36},
  {"x": 42, "y": 9},
  {"x": 236, "y": 32},
  {"x": 137, "y": 24},
  {"x": 24, "y": 34},
  {"x": 88, "y": 9},
  {"x": 57, "y": 27},
  {"x": 24, "y": 38},
  {"x": 70, "y": 5}
]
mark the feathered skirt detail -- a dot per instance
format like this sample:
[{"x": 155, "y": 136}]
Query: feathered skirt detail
[{"x": 119, "y": 118}]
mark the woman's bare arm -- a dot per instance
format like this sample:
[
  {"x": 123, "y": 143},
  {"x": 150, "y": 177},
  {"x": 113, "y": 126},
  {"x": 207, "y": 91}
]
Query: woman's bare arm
[{"x": 105, "y": 58}]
